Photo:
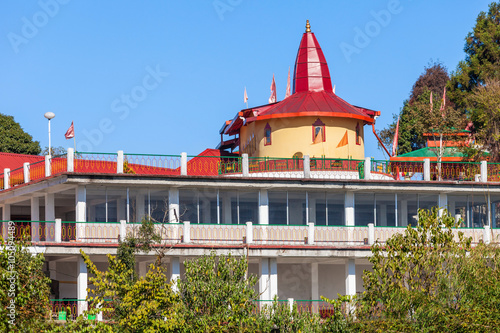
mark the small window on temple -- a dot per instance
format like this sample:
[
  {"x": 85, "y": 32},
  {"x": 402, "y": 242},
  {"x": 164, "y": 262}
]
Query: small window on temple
[
  {"x": 318, "y": 128},
  {"x": 267, "y": 135},
  {"x": 358, "y": 135}
]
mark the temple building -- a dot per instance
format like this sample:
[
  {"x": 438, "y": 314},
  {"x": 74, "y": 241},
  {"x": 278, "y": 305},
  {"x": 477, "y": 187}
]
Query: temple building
[{"x": 289, "y": 186}]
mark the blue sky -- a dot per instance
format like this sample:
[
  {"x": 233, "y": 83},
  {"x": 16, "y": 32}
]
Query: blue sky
[{"x": 187, "y": 62}]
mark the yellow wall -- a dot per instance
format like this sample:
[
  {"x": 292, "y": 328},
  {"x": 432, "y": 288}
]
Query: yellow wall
[{"x": 292, "y": 135}]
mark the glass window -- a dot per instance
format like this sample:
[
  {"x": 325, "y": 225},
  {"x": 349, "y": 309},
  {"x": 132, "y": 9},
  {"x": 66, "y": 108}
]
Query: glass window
[
  {"x": 188, "y": 206},
  {"x": 407, "y": 209},
  {"x": 479, "y": 211},
  {"x": 317, "y": 207},
  {"x": 318, "y": 131},
  {"x": 386, "y": 209},
  {"x": 297, "y": 208},
  {"x": 277, "y": 207},
  {"x": 335, "y": 208},
  {"x": 358, "y": 134},
  {"x": 208, "y": 206},
  {"x": 363, "y": 208},
  {"x": 248, "y": 207},
  {"x": 458, "y": 207},
  {"x": 158, "y": 207}
]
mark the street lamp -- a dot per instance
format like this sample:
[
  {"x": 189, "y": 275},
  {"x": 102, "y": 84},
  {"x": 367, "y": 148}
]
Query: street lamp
[{"x": 49, "y": 115}]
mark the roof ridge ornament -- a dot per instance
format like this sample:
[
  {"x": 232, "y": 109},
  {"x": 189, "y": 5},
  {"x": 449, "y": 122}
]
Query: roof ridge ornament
[{"x": 308, "y": 26}]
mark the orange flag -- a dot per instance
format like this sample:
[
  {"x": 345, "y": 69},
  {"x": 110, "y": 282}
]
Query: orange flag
[{"x": 344, "y": 141}]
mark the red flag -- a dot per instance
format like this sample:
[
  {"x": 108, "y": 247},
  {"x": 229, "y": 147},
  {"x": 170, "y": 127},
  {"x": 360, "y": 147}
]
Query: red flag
[
  {"x": 395, "y": 142},
  {"x": 288, "y": 89},
  {"x": 70, "y": 133},
  {"x": 272, "y": 98}
]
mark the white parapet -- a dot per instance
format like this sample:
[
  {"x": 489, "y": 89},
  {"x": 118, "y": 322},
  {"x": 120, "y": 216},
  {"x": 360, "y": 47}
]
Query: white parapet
[
  {"x": 123, "y": 229},
  {"x": 6, "y": 178},
  {"x": 57, "y": 231},
  {"x": 427, "y": 169},
  {"x": 368, "y": 168},
  {"x": 26, "y": 172},
  {"x": 486, "y": 234},
  {"x": 371, "y": 233},
  {"x": 310, "y": 233},
  {"x": 484, "y": 171}
]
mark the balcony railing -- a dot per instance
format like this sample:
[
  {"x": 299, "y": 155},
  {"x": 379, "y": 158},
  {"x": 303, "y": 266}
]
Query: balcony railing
[
  {"x": 223, "y": 166},
  {"x": 64, "y": 232}
]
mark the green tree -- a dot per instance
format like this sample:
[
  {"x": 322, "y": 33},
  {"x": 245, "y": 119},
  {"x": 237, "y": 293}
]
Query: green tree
[
  {"x": 24, "y": 288},
  {"x": 14, "y": 139},
  {"x": 419, "y": 115},
  {"x": 218, "y": 295}
]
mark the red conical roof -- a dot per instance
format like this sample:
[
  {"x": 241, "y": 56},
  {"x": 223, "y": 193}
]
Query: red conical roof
[{"x": 311, "y": 70}]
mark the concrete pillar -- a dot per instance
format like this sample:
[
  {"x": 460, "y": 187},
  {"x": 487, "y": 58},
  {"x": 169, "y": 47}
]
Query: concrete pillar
[
  {"x": 26, "y": 172},
  {"x": 249, "y": 232},
  {"x": 427, "y": 169},
  {"x": 290, "y": 304},
  {"x": 186, "y": 232},
  {"x": 6, "y": 178},
  {"x": 264, "y": 279},
  {"x": 81, "y": 285},
  {"x": 350, "y": 277},
  {"x": 245, "y": 170},
  {"x": 80, "y": 210},
  {"x": 487, "y": 234},
  {"x": 484, "y": 171},
  {"x": 35, "y": 216},
  {"x": 57, "y": 231},
  {"x": 371, "y": 233},
  {"x": 273, "y": 278},
  {"x": 310, "y": 233},
  {"x": 175, "y": 272},
  {"x": 314, "y": 287},
  {"x": 263, "y": 207},
  {"x": 349, "y": 208},
  {"x": 403, "y": 212},
  {"x": 48, "y": 165},
  {"x": 368, "y": 168},
  {"x": 123, "y": 229},
  {"x": 183, "y": 164},
  {"x": 307, "y": 166},
  {"x": 70, "y": 159},
  {"x": 119, "y": 161},
  {"x": 173, "y": 205},
  {"x": 442, "y": 203},
  {"x": 50, "y": 215}
]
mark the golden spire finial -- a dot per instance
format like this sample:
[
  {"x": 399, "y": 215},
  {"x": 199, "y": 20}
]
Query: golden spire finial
[{"x": 308, "y": 26}]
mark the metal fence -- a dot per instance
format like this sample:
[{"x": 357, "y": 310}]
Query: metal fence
[{"x": 148, "y": 164}]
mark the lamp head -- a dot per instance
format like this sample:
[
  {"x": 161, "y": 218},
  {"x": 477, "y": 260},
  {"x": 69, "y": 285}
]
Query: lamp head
[{"x": 49, "y": 115}]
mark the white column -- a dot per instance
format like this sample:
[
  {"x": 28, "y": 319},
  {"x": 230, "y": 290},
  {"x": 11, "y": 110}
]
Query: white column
[
  {"x": 273, "y": 278},
  {"x": 186, "y": 232},
  {"x": 263, "y": 207},
  {"x": 80, "y": 210},
  {"x": 175, "y": 272},
  {"x": 427, "y": 169},
  {"x": 48, "y": 167},
  {"x": 487, "y": 234},
  {"x": 314, "y": 286},
  {"x": 81, "y": 285},
  {"x": 368, "y": 168},
  {"x": 442, "y": 203},
  {"x": 244, "y": 165},
  {"x": 50, "y": 215},
  {"x": 249, "y": 232},
  {"x": 371, "y": 233},
  {"x": 119, "y": 162},
  {"x": 173, "y": 205},
  {"x": 35, "y": 216},
  {"x": 70, "y": 159},
  {"x": 349, "y": 208},
  {"x": 307, "y": 166},
  {"x": 6, "y": 178},
  {"x": 264, "y": 279},
  {"x": 484, "y": 171},
  {"x": 310, "y": 233},
  {"x": 57, "y": 231},
  {"x": 26, "y": 172},
  {"x": 123, "y": 229},
  {"x": 350, "y": 277},
  {"x": 184, "y": 164}
]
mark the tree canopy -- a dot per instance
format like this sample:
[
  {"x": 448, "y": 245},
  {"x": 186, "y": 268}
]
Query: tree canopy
[{"x": 14, "y": 139}]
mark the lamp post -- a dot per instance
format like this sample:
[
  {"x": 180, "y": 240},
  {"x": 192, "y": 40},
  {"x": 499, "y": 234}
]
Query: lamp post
[{"x": 49, "y": 116}]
